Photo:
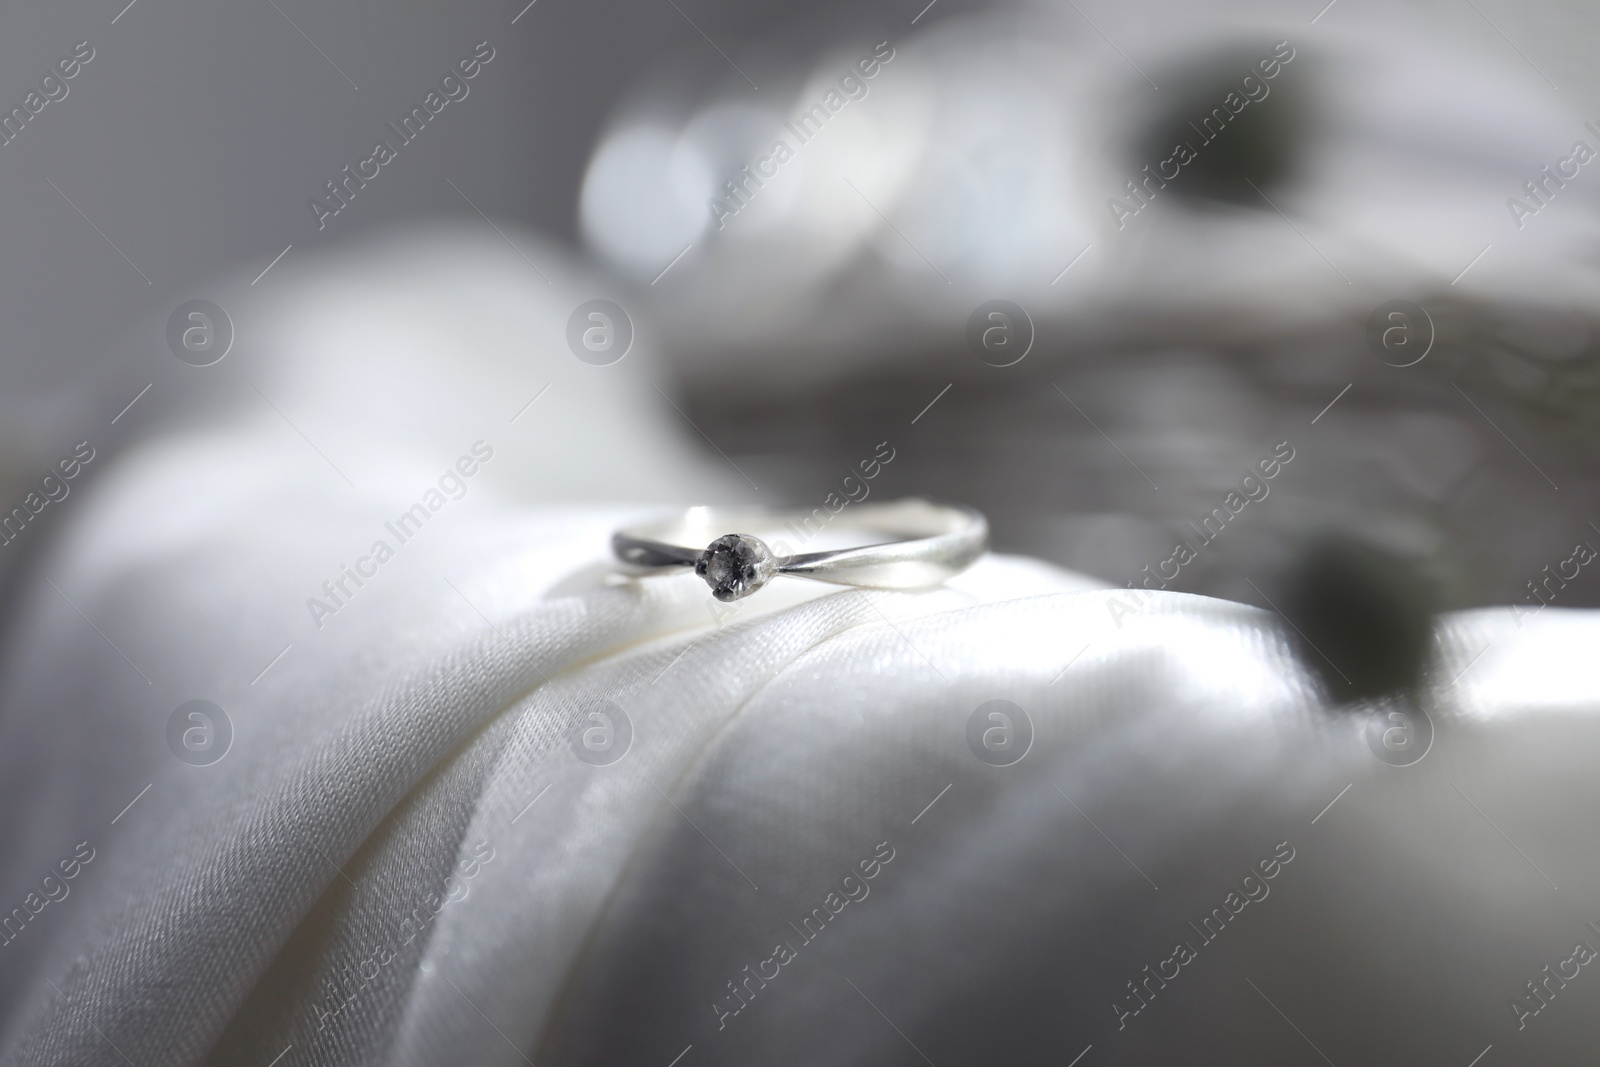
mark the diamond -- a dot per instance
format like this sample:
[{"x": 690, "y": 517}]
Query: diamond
[{"x": 736, "y": 565}]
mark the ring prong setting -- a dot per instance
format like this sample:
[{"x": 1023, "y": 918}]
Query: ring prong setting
[{"x": 736, "y": 565}]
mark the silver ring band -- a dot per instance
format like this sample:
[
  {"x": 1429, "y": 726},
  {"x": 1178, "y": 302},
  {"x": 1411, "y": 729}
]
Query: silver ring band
[{"x": 920, "y": 544}]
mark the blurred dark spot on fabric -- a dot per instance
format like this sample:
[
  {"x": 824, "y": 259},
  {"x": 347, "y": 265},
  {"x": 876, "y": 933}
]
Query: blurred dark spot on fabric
[
  {"x": 1362, "y": 616},
  {"x": 1262, "y": 142}
]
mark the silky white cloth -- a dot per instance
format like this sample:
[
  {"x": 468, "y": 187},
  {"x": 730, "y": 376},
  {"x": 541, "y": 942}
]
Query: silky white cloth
[
  {"x": 401, "y": 859},
  {"x": 240, "y": 909}
]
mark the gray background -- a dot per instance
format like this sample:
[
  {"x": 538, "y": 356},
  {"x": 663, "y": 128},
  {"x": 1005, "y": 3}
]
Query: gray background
[
  {"x": 194, "y": 139},
  {"x": 198, "y": 132}
]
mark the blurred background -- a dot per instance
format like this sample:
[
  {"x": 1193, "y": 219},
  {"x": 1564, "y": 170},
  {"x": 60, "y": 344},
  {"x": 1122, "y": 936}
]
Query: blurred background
[
  {"x": 1296, "y": 304},
  {"x": 979, "y": 243}
]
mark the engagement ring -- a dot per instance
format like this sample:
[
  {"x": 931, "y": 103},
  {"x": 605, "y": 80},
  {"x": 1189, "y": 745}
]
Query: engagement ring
[{"x": 908, "y": 544}]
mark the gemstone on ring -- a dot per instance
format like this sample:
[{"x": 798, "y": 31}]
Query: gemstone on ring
[{"x": 736, "y": 565}]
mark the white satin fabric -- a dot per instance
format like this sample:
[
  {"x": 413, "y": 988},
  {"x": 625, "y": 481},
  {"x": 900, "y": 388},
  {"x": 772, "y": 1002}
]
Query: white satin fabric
[{"x": 401, "y": 859}]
